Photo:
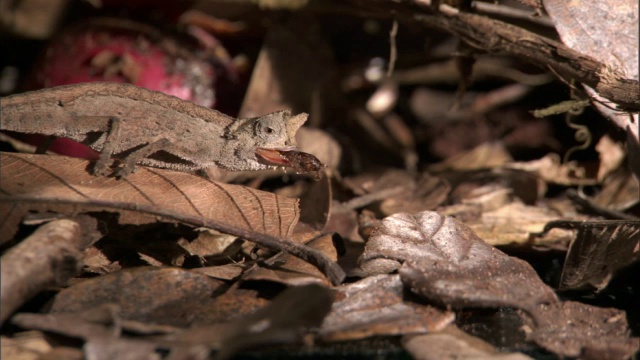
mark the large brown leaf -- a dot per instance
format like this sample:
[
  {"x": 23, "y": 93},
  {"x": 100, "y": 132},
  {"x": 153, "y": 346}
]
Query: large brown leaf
[
  {"x": 446, "y": 262},
  {"x": 63, "y": 185}
]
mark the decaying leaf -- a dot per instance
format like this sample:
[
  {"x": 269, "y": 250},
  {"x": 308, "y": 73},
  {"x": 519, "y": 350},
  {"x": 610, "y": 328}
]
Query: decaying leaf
[
  {"x": 512, "y": 223},
  {"x": 315, "y": 203},
  {"x": 620, "y": 190},
  {"x": 552, "y": 171},
  {"x": 284, "y": 321},
  {"x": 375, "y": 306},
  {"x": 611, "y": 155},
  {"x": 26, "y": 345},
  {"x": 101, "y": 342},
  {"x": 397, "y": 190},
  {"x": 484, "y": 156},
  {"x": 452, "y": 343},
  {"x": 600, "y": 249},
  {"x": 167, "y": 296},
  {"x": 290, "y": 316},
  {"x": 442, "y": 260},
  {"x": 574, "y": 329}
]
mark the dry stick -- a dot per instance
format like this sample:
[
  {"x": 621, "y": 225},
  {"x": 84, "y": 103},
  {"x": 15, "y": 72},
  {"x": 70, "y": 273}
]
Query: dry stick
[
  {"x": 393, "y": 51},
  {"x": 492, "y": 35},
  {"x": 497, "y": 36},
  {"x": 51, "y": 255}
]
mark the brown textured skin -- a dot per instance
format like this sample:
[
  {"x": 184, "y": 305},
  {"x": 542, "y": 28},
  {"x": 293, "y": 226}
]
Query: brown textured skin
[{"x": 148, "y": 127}]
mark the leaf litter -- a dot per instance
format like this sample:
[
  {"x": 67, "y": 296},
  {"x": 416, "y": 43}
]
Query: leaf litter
[{"x": 439, "y": 204}]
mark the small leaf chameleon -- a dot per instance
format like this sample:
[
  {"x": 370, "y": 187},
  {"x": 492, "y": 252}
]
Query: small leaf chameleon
[{"x": 141, "y": 126}]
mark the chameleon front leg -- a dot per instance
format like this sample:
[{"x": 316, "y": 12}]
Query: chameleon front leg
[{"x": 110, "y": 143}]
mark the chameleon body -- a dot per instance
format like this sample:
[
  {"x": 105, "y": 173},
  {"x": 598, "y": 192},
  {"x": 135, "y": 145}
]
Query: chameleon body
[{"x": 141, "y": 126}]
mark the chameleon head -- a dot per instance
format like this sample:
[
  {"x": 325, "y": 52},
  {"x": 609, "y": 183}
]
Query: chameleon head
[{"x": 250, "y": 141}]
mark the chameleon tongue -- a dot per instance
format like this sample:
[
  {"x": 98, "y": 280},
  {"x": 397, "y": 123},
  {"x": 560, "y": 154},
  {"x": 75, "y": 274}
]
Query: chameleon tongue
[{"x": 272, "y": 157}]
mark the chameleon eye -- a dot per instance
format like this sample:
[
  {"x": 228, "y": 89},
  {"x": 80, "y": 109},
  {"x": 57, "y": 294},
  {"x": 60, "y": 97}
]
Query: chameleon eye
[{"x": 264, "y": 128}]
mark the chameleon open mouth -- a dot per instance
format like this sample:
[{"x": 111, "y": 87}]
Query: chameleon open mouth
[
  {"x": 301, "y": 162},
  {"x": 272, "y": 157}
]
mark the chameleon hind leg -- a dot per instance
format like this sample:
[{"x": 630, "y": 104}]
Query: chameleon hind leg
[{"x": 129, "y": 162}]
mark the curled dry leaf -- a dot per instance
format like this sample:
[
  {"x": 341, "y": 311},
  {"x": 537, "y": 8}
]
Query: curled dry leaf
[
  {"x": 611, "y": 154},
  {"x": 442, "y": 260},
  {"x": 512, "y": 223},
  {"x": 375, "y": 306},
  {"x": 600, "y": 249},
  {"x": 620, "y": 190},
  {"x": 550, "y": 169}
]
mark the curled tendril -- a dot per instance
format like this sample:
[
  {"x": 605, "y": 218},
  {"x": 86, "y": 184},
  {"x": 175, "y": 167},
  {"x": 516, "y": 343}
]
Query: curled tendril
[{"x": 582, "y": 134}]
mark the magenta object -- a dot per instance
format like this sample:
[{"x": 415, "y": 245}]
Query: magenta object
[{"x": 120, "y": 50}]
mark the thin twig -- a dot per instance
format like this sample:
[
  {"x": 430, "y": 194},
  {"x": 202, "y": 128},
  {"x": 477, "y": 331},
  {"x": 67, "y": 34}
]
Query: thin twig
[{"x": 393, "y": 51}]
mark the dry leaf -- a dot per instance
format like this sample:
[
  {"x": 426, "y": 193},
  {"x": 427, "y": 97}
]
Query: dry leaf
[
  {"x": 573, "y": 329},
  {"x": 288, "y": 76},
  {"x": 611, "y": 155},
  {"x": 451, "y": 344},
  {"x": 608, "y": 33},
  {"x": 552, "y": 171},
  {"x": 285, "y": 320},
  {"x": 620, "y": 190},
  {"x": 76, "y": 326},
  {"x": 397, "y": 190},
  {"x": 513, "y": 223},
  {"x": 32, "y": 182},
  {"x": 484, "y": 156},
  {"x": 27, "y": 345},
  {"x": 166, "y": 295},
  {"x": 375, "y": 306},
  {"x": 600, "y": 249},
  {"x": 64, "y": 184},
  {"x": 442, "y": 260}
]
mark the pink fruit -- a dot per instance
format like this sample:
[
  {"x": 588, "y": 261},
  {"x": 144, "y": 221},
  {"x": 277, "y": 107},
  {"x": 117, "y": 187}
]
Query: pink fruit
[{"x": 117, "y": 50}]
